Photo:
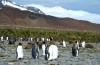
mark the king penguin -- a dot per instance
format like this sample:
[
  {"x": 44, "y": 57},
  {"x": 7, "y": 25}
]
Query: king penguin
[
  {"x": 35, "y": 51},
  {"x": 19, "y": 52},
  {"x": 53, "y": 51}
]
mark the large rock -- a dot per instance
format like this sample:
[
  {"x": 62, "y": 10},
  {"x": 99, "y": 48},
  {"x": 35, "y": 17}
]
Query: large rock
[
  {"x": 89, "y": 46},
  {"x": 28, "y": 46}
]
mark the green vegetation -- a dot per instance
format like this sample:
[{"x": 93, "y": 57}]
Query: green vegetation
[{"x": 56, "y": 34}]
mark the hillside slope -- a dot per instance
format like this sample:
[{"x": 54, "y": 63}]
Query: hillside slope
[{"x": 14, "y": 17}]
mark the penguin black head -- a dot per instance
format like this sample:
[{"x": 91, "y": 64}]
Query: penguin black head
[
  {"x": 20, "y": 43},
  {"x": 43, "y": 42}
]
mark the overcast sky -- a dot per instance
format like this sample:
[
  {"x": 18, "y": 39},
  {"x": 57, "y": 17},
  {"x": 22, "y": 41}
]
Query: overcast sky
[
  {"x": 87, "y": 5},
  {"x": 80, "y": 7}
]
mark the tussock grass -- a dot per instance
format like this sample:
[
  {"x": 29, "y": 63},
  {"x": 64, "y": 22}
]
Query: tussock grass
[{"x": 56, "y": 34}]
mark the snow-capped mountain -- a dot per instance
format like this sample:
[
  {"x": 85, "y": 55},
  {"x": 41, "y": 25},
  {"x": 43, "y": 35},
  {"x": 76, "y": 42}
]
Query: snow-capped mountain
[
  {"x": 12, "y": 15},
  {"x": 7, "y": 3},
  {"x": 36, "y": 10},
  {"x": 14, "y": 5}
]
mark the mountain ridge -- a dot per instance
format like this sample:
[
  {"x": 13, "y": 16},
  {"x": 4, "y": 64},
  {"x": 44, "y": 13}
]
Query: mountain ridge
[{"x": 14, "y": 5}]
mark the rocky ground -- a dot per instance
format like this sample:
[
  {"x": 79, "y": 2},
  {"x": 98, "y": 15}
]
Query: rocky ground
[{"x": 86, "y": 56}]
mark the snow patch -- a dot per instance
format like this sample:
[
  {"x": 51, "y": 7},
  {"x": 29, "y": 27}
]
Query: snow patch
[{"x": 13, "y": 5}]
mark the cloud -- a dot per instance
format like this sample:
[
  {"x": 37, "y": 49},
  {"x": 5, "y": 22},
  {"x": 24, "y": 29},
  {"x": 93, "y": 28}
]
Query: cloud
[
  {"x": 62, "y": 12},
  {"x": 73, "y": 0},
  {"x": 86, "y": 5}
]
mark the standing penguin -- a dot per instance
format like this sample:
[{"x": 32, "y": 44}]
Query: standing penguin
[
  {"x": 19, "y": 52},
  {"x": 2, "y": 39},
  {"x": 47, "y": 54},
  {"x": 7, "y": 38},
  {"x": 43, "y": 48},
  {"x": 53, "y": 52},
  {"x": 64, "y": 43},
  {"x": 31, "y": 39},
  {"x": 35, "y": 51},
  {"x": 75, "y": 49}
]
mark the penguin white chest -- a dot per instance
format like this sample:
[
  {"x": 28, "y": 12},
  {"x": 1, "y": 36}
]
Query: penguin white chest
[
  {"x": 83, "y": 44},
  {"x": 19, "y": 52},
  {"x": 53, "y": 50},
  {"x": 43, "y": 49},
  {"x": 64, "y": 44}
]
